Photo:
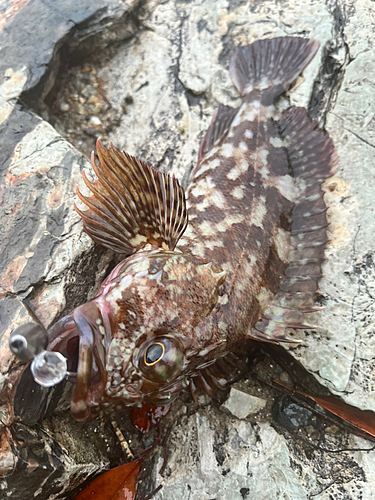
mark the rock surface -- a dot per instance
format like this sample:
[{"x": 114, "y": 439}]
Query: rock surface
[
  {"x": 233, "y": 459},
  {"x": 154, "y": 94},
  {"x": 242, "y": 405}
]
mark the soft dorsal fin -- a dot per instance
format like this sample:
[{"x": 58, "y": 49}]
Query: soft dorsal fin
[
  {"x": 219, "y": 126},
  {"x": 132, "y": 204}
]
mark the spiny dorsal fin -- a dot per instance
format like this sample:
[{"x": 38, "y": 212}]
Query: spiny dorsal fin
[
  {"x": 132, "y": 204},
  {"x": 220, "y": 124},
  {"x": 312, "y": 158}
]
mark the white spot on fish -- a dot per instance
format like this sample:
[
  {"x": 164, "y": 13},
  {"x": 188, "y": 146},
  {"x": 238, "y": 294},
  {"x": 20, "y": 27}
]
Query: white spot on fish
[
  {"x": 227, "y": 150},
  {"x": 221, "y": 226},
  {"x": 282, "y": 243},
  {"x": 238, "y": 118},
  {"x": 211, "y": 152},
  {"x": 286, "y": 187},
  {"x": 264, "y": 172},
  {"x": 264, "y": 298},
  {"x": 233, "y": 219},
  {"x": 234, "y": 173},
  {"x": 206, "y": 166},
  {"x": 264, "y": 83},
  {"x": 258, "y": 213},
  {"x": 249, "y": 134},
  {"x": 202, "y": 187},
  {"x": 240, "y": 168},
  {"x": 207, "y": 229},
  {"x": 249, "y": 115},
  {"x": 217, "y": 198},
  {"x": 238, "y": 192},
  {"x": 211, "y": 244},
  {"x": 223, "y": 300},
  {"x": 201, "y": 206},
  {"x": 243, "y": 147},
  {"x": 137, "y": 240},
  {"x": 264, "y": 155},
  {"x": 199, "y": 248},
  {"x": 116, "y": 292},
  {"x": 276, "y": 142}
]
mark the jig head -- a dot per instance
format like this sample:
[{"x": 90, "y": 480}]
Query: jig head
[{"x": 29, "y": 342}]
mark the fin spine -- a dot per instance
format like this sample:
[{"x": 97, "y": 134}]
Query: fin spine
[{"x": 131, "y": 204}]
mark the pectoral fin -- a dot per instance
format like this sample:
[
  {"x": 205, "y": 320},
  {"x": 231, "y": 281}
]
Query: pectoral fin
[{"x": 132, "y": 204}]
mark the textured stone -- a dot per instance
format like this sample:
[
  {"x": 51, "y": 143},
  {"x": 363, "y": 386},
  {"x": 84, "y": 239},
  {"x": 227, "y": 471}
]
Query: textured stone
[
  {"x": 241, "y": 405},
  {"x": 162, "y": 87},
  {"x": 214, "y": 456},
  {"x": 46, "y": 258}
]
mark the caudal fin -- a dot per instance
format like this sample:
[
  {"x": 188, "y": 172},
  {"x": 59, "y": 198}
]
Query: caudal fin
[{"x": 271, "y": 62}]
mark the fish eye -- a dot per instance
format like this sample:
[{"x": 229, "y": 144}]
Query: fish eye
[
  {"x": 160, "y": 359},
  {"x": 154, "y": 354}
]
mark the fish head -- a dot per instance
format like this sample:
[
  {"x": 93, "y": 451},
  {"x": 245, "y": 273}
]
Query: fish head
[
  {"x": 135, "y": 342},
  {"x": 160, "y": 305}
]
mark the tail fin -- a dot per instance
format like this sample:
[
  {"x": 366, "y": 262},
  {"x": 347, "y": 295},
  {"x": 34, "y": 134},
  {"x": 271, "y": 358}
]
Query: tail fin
[{"x": 271, "y": 62}]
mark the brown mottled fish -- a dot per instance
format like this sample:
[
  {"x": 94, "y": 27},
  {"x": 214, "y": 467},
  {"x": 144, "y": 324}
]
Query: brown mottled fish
[{"x": 246, "y": 266}]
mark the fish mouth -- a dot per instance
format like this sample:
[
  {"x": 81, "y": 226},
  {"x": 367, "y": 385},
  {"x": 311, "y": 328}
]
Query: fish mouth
[
  {"x": 131, "y": 390},
  {"x": 63, "y": 337}
]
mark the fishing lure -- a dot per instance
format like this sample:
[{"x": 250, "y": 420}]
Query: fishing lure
[{"x": 246, "y": 265}]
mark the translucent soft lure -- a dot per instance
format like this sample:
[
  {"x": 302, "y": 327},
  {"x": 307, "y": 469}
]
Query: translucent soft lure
[{"x": 247, "y": 266}]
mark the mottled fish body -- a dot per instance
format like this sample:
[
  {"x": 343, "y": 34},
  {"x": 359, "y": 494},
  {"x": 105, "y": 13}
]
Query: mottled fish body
[
  {"x": 244, "y": 186},
  {"x": 246, "y": 266}
]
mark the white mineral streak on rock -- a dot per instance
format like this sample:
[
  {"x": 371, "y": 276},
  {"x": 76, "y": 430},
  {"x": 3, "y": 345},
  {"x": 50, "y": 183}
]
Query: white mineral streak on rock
[
  {"x": 13, "y": 84},
  {"x": 11, "y": 89}
]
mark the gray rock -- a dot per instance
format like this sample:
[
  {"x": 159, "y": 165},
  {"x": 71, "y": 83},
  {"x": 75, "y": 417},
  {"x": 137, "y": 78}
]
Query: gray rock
[
  {"x": 46, "y": 259},
  {"x": 161, "y": 89},
  {"x": 242, "y": 405},
  {"x": 213, "y": 456}
]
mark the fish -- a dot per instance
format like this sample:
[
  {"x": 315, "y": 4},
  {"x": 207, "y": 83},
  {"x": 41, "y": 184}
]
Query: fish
[{"x": 238, "y": 257}]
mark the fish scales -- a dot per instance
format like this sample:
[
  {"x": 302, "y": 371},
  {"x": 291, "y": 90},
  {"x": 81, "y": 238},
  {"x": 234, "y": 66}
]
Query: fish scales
[
  {"x": 242, "y": 259},
  {"x": 248, "y": 172}
]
